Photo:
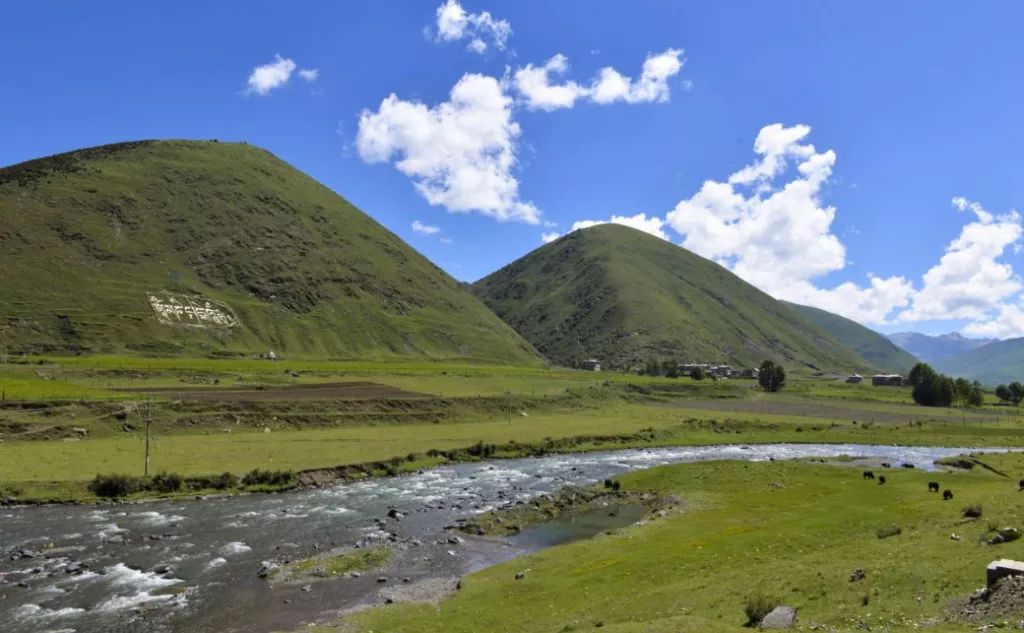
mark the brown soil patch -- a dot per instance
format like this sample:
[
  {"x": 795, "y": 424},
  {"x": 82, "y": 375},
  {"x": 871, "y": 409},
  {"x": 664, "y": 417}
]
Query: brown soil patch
[{"x": 320, "y": 391}]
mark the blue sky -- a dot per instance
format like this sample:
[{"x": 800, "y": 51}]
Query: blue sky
[{"x": 890, "y": 136}]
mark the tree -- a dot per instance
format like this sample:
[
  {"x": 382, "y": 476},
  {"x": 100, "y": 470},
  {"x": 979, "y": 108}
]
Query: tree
[
  {"x": 918, "y": 373},
  {"x": 945, "y": 392},
  {"x": 925, "y": 383},
  {"x": 1003, "y": 393},
  {"x": 977, "y": 397},
  {"x": 673, "y": 371},
  {"x": 764, "y": 374},
  {"x": 932, "y": 389},
  {"x": 667, "y": 367},
  {"x": 1016, "y": 392},
  {"x": 962, "y": 392},
  {"x": 697, "y": 373},
  {"x": 771, "y": 377}
]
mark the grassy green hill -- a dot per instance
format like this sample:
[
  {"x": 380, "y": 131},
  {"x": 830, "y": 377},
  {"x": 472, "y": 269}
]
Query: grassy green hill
[
  {"x": 623, "y": 296},
  {"x": 872, "y": 346},
  {"x": 992, "y": 364},
  {"x": 90, "y": 239}
]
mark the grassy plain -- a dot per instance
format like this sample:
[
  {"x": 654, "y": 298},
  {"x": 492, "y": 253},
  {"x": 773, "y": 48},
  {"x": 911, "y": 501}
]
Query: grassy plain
[
  {"x": 72, "y": 419},
  {"x": 791, "y": 531}
]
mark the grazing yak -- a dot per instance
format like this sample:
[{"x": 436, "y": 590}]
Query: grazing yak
[
  {"x": 868, "y": 474},
  {"x": 881, "y": 480},
  {"x": 1021, "y": 484},
  {"x": 947, "y": 494},
  {"x": 933, "y": 486}
]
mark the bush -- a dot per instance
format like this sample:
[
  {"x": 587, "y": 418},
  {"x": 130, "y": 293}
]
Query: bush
[
  {"x": 217, "y": 482},
  {"x": 758, "y": 606},
  {"x": 889, "y": 530},
  {"x": 113, "y": 486},
  {"x": 166, "y": 482},
  {"x": 256, "y": 477},
  {"x": 972, "y": 511}
]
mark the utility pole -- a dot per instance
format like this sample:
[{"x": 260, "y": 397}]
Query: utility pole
[{"x": 149, "y": 423}]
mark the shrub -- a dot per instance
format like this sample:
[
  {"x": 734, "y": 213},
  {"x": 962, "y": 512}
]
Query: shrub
[
  {"x": 972, "y": 511},
  {"x": 166, "y": 482},
  {"x": 113, "y": 486},
  {"x": 257, "y": 477},
  {"x": 889, "y": 530},
  {"x": 758, "y": 606}
]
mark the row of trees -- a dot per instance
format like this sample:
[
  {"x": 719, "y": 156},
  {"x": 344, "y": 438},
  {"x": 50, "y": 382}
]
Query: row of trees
[
  {"x": 933, "y": 389},
  {"x": 1012, "y": 393}
]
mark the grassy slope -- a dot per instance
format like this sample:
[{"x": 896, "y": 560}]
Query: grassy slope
[
  {"x": 84, "y": 236},
  {"x": 872, "y": 346},
  {"x": 623, "y": 296},
  {"x": 992, "y": 364},
  {"x": 794, "y": 531}
]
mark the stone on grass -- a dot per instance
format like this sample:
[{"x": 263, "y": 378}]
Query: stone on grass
[{"x": 781, "y": 617}]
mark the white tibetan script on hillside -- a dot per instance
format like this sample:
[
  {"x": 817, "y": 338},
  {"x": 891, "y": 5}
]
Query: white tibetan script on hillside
[{"x": 191, "y": 311}]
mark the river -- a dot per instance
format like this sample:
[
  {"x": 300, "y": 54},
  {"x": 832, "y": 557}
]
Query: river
[{"x": 192, "y": 565}]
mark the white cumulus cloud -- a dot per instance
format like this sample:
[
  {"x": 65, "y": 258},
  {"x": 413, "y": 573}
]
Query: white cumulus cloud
[
  {"x": 424, "y": 229},
  {"x": 460, "y": 153},
  {"x": 455, "y": 23},
  {"x": 536, "y": 83},
  {"x": 309, "y": 74},
  {"x": 612, "y": 86},
  {"x": 775, "y": 232},
  {"x": 550, "y": 237},
  {"x": 969, "y": 281},
  {"x": 263, "y": 79}
]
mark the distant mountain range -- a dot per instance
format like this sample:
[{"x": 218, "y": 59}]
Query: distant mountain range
[
  {"x": 992, "y": 364},
  {"x": 932, "y": 348}
]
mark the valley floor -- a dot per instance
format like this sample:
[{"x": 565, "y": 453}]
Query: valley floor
[
  {"x": 65, "y": 420},
  {"x": 791, "y": 531}
]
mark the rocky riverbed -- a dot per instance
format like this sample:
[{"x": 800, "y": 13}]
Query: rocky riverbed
[{"x": 206, "y": 566}]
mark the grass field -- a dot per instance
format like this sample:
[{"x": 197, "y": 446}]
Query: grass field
[
  {"x": 791, "y": 531},
  {"x": 76, "y": 419}
]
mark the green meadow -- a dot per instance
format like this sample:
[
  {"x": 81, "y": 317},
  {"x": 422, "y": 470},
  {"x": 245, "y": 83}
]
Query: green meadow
[{"x": 790, "y": 532}]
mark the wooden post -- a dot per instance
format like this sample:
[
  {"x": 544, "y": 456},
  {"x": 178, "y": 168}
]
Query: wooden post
[{"x": 149, "y": 423}]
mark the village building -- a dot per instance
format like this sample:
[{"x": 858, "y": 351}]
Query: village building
[
  {"x": 855, "y": 379},
  {"x": 591, "y": 365},
  {"x": 888, "y": 380}
]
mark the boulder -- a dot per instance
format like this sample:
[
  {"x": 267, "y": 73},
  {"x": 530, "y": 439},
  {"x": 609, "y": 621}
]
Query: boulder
[
  {"x": 266, "y": 568},
  {"x": 999, "y": 569},
  {"x": 781, "y": 617}
]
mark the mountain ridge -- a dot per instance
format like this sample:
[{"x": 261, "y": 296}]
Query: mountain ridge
[
  {"x": 870, "y": 345},
  {"x": 218, "y": 248},
  {"x": 624, "y": 297}
]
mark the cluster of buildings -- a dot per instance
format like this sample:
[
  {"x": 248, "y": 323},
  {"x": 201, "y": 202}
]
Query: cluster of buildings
[
  {"x": 687, "y": 369},
  {"x": 879, "y": 380},
  {"x": 716, "y": 371}
]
